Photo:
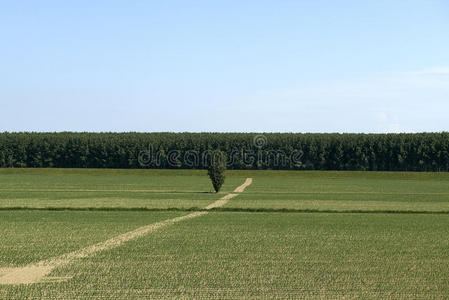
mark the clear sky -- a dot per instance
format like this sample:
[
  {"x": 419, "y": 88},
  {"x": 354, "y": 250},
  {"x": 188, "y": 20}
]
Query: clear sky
[{"x": 274, "y": 66}]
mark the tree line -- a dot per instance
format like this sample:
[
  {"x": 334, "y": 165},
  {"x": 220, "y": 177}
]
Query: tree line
[{"x": 290, "y": 151}]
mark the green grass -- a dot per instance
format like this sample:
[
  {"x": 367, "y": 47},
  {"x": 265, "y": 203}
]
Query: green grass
[
  {"x": 31, "y": 236},
  {"x": 191, "y": 189},
  {"x": 346, "y": 191},
  {"x": 248, "y": 250},
  {"x": 268, "y": 255},
  {"x": 75, "y": 188}
]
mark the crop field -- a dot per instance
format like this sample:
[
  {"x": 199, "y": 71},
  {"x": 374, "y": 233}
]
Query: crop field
[{"x": 126, "y": 234}]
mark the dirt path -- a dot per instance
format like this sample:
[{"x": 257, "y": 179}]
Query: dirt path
[
  {"x": 37, "y": 272},
  {"x": 241, "y": 188}
]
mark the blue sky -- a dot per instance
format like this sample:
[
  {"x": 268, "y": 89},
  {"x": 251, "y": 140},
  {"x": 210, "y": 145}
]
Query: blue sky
[{"x": 272, "y": 66}]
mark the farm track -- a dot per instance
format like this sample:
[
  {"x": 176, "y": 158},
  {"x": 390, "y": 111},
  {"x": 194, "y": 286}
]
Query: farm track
[{"x": 241, "y": 188}]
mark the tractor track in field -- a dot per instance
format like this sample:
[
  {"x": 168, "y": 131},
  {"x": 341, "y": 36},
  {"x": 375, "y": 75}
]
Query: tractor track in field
[{"x": 38, "y": 272}]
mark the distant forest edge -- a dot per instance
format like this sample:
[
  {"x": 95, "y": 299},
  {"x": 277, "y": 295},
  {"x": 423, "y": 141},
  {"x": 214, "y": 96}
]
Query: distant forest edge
[{"x": 288, "y": 151}]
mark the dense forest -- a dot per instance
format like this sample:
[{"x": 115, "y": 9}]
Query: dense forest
[{"x": 387, "y": 152}]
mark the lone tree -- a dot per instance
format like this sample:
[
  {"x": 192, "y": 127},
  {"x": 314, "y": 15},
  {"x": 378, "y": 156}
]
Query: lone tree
[{"x": 216, "y": 170}]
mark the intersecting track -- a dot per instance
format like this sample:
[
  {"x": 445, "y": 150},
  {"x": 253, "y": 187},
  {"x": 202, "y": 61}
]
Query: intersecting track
[{"x": 37, "y": 272}]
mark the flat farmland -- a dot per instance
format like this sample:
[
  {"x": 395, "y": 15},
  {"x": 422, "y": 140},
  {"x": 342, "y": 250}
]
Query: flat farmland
[
  {"x": 345, "y": 192},
  {"x": 125, "y": 189},
  {"x": 287, "y": 235}
]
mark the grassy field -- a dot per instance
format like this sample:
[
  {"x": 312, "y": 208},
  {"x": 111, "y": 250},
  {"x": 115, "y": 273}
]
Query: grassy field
[
  {"x": 75, "y": 188},
  {"x": 191, "y": 189},
  {"x": 30, "y": 236},
  {"x": 346, "y": 191},
  {"x": 268, "y": 242}
]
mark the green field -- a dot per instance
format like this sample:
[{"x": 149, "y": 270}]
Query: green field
[
  {"x": 72, "y": 188},
  {"x": 288, "y": 235},
  {"x": 346, "y": 191}
]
